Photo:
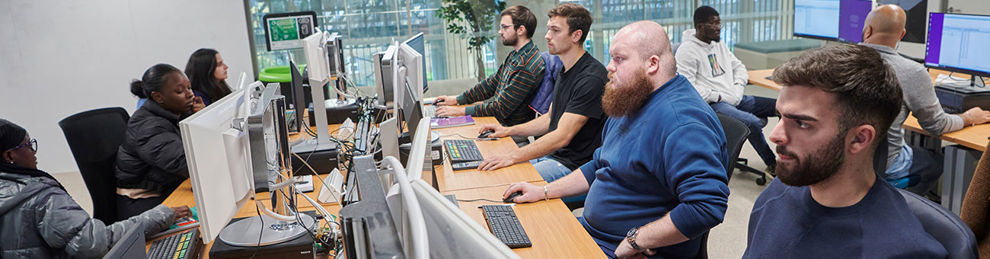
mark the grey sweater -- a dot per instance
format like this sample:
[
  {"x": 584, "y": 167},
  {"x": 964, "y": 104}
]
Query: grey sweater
[{"x": 919, "y": 98}]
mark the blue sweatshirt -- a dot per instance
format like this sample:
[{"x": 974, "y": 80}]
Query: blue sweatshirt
[
  {"x": 787, "y": 222},
  {"x": 665, "y": 158}
]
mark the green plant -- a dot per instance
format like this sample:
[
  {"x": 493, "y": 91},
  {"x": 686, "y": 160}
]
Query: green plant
[{"x": 479, "y": 15}]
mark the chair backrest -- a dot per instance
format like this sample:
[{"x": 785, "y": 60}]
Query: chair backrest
[
  {"x": 544, "y": 94},
  {"x": 735, "y": 135},
  {"x": 944, "y": 226},
  {"x": 93, "y": 138}
]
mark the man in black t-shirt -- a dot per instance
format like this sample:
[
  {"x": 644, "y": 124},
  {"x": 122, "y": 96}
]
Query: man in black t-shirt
[{"x": 572, "y": 129}]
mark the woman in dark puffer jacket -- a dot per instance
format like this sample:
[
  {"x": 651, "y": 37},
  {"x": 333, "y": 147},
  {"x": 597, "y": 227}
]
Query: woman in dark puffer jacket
[
  {"x": 151, "y": 162},
  {"x": 38, "y": 219}
]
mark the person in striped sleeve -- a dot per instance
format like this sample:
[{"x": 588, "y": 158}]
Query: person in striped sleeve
[{"x": 505, "y": 93}]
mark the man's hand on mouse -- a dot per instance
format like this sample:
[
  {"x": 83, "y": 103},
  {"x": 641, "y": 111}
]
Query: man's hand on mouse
[
  {"x": 499, "y": 130},
  {"x": 445, "y": 100},
  {"x": 530, "y": 192}
]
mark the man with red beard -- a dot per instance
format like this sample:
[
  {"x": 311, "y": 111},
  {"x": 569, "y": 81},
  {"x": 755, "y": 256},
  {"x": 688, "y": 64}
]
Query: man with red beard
[
  {"x": 657, "y": 183},
  {"x": 826, "y": 201}
]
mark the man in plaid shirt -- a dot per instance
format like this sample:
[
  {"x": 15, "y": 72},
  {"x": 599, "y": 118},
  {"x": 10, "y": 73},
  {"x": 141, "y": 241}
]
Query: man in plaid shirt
[{"x": 505, "y": 93}]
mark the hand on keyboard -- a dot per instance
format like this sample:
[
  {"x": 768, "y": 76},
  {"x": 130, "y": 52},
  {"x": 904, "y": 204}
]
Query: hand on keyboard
[
  {"x": 181, "y": 212},
  {"x": 450, "y": 111}
]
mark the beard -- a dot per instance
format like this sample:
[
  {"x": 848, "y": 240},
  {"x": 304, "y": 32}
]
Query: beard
[
  {"x": 510, "y": 41},
  {"x": 817, "y": 167},
  {"x": 619, "y": 101}
]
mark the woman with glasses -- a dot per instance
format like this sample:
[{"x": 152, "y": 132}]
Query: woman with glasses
[{"x": 38, "y": 218}]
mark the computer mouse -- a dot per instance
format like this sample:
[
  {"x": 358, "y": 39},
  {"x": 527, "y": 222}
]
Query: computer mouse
[
  {"x": 437, "y": 101},
  {"x": 511, "y": 197},
  {"x": 486, "y": 133}
]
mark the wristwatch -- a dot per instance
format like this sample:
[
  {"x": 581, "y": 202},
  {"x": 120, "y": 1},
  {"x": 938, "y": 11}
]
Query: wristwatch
[{"x": 631, "y": 238}]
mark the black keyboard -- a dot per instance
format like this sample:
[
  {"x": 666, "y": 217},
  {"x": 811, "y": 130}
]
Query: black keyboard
[
  {"x": 182, "y": 245},
  {"x": 462, "y": 150},
  {"x": 502, "y": 222}
]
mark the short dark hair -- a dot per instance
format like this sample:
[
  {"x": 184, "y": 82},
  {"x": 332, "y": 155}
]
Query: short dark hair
[
  {"x": 521, "y": 16},
  {"x": 866, "y": 88},
  {"x": 703, "y": 14},
  {"x": 578, "y": 18}
]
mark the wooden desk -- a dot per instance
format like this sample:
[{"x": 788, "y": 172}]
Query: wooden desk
[
  {"x": 553, "y": 230},
  {"x": 472, "y": 178},
  {"x": 183, "y": 196},
  {"x": 759, "y": 78}
]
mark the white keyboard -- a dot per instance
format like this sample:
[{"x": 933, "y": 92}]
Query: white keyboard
[{"x": 429, "y": 111}]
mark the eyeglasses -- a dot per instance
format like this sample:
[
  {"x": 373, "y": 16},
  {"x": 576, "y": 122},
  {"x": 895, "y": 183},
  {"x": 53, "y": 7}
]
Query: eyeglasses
[
  {"x": 505, "y": 27},
  {"x": 33, "y": 143}
]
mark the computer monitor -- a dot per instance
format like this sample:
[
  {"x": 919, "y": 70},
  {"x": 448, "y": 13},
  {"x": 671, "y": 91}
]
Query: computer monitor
[
  {"x": 816, "y": 19},
  {"x": 299, "y": 97},
  {"x": 318, "y": 68},
  {"x": 285, "y": 30},
  {"x": 384, "y": 63},
  {"x": 957, "y": 42},
  {"x": 366, "y": 222},
  {"x": 450, "y": 232},
  {"x": 229, "y": 152},
  {"x": 412, "y": 111},
  {"x": 219, "y": 164},
  {"x": 915, "y": 24},
  {"x": 852, "y": 19},
  {"x": 131, "y": 245},
  {"x": 411, "y": 69},
  {"x": 418, "y": 44}
]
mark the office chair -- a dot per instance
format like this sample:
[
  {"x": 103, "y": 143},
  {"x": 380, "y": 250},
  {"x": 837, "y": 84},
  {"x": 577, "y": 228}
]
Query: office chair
[
  {"x": 880, "y": 166},
  {"x": 735, "y": 135},
  {"x": 93, "y": 138},
  {"x": 947, "y": 228}
]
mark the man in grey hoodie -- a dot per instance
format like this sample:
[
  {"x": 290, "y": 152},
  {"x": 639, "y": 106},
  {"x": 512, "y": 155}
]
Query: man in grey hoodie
[
  {"x": 720, "y": 77},
  {"x": 38, "y": 219},
  {"x": 884, "y": 28}
]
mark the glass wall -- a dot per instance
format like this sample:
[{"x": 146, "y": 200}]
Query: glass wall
[
  {"x": 742, "y": 20},
  {"x": 369, "y": 26}
]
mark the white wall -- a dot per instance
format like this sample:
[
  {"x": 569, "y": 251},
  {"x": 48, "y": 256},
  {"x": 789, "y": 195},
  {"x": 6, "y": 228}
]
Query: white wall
[{"x": 60, "y": 57}]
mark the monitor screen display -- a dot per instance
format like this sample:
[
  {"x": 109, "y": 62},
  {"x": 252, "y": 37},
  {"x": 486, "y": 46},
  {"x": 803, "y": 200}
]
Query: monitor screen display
[
  {"x": 816, "y": 19},
  {"x": 286, "y": 30},
  {"x": 957, "y": 42},
  {"x": 852, "y": 16}
]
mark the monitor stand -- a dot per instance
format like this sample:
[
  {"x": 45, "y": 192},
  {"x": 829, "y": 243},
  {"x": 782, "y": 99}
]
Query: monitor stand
[
  {"x": 321, "y": 152},
  {"x": 248, "y": 231}
]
